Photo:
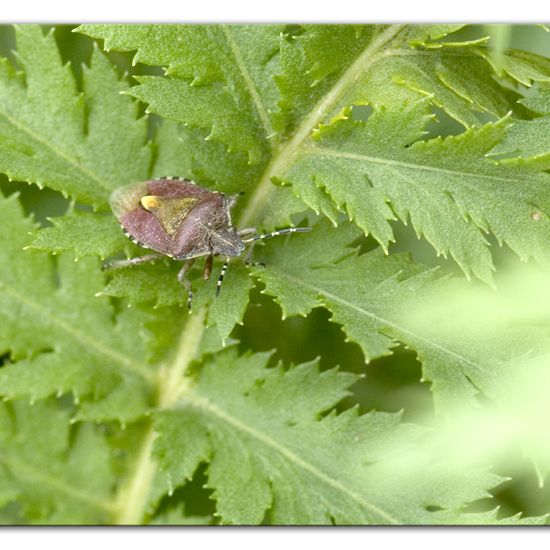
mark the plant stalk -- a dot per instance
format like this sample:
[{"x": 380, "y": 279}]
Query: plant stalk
[
  {"x": 285, "y": 154},
  {"x": 131, "y": 503}
]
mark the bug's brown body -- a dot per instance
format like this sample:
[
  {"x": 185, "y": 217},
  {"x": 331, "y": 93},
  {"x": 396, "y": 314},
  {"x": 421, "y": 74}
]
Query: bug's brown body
[{"x": 177, "y": 218}]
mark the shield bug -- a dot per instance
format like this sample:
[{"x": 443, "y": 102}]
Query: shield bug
[{"x": 179, "y": 219}]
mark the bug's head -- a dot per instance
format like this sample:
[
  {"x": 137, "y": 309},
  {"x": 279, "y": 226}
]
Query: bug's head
[{"x": 226, "y": 242}]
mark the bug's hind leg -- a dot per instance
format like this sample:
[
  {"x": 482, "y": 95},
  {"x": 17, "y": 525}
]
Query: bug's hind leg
[
  {"x": 185, "y": 282},
  {"x": 118, "y": 264},
  {"x": 208, "y": 267}
]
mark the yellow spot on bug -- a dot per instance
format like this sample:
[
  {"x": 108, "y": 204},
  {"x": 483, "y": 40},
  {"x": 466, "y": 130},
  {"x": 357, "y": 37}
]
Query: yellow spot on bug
[{"x": 150, "y": 202}]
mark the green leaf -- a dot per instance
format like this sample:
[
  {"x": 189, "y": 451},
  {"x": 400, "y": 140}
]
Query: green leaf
[
  {"x": 260, "y": 463},
  {"x": 56, "y": 474},
  {"x": 70, "y": 150},
  {"x": 504, "y": 347},
  {"x": 220, "y": 77},
  {"x": 186, "y": 151},
  {"x": 150, "y": 283},
  {"x": 379, "y": 170},
  {"x": 424, "y": 34},
  {"x": 62, "y": 338},
  {"x": 520, "y": 66},
  {"x": 382, "y": 300},
  {"x": 331, "y": 118},
  {"x": 226, "y": 309},
  {"x": 84, "y": 234},
  {"x": 527, "y": 142},
  {"x": 389, "y": 65},
  {"x": 158, "y": 285}
]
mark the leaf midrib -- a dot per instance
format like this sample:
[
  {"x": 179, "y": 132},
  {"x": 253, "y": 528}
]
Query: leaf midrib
[
  {"x": 205, "y": 405},
  {"x": 382, "y": 320},
  {"x": 283, "y": 156},
  {"x": 57, "y": 151},
  {"x": 249, "y": 84},
  {"x": 132, "y": 498},
  {"x": 84, "y": 340}
]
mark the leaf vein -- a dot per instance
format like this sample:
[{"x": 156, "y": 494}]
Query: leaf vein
[
  {"x": 260, "y": 108},
  {"x": 324, "y": 293},
  {"x": 88, "y": 173},
  {"x": 40, "y": 476},
  {"x": 207, "y": 406},
  {"x": 82, "y": 338},
  {"x": 325, "y": 151},
  {"x": 283, "y": 156}
]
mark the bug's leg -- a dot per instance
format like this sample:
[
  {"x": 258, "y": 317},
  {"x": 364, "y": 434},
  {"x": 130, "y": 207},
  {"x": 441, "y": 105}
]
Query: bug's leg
[
  {"x": 208, "y": 267},
  {"x": 185, "y": 282},
  {"x": 247, "y": 258},
  {"x": 117, "y": 264},
  {"x": 252, "y": 240},
  {"x": 222, "y": 274}
]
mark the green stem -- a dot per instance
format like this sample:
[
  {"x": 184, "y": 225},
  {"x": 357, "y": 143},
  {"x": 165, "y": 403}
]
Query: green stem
[
  {"x": 284, "y": 156},
  {"x": 131, "y": 503}
]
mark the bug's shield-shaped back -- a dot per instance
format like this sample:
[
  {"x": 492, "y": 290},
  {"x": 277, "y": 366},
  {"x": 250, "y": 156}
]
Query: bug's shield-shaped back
[
  {"x": 172, "y": 216},
  {"x": 169, "y": 211}
]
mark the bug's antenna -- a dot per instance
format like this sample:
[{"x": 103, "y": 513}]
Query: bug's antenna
[
  {"x": 285, "y": 231},
  {"x": 222, "y": 274}
]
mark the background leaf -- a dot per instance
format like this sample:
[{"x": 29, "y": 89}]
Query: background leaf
[
  {"x": 67, "y": 150},
  {"x": 56, "y": 474},
  {"x": 220, "y": 77},
  {"x": 62, "y": 337}
]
